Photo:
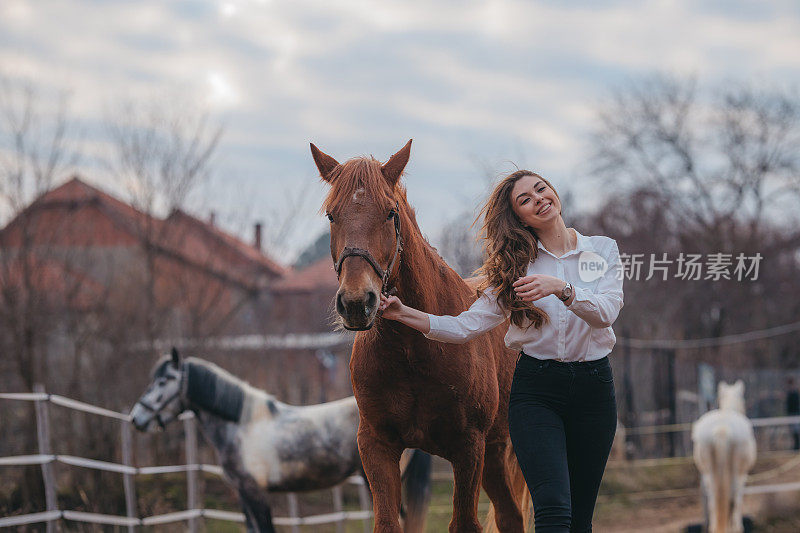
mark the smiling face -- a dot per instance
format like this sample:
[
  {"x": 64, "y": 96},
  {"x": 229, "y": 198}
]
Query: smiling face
[{"x": 535, "y": 203}]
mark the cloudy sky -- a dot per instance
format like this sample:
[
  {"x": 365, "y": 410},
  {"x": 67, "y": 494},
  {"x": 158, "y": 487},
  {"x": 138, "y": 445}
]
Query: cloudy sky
[{"x": 476, "y": 84}]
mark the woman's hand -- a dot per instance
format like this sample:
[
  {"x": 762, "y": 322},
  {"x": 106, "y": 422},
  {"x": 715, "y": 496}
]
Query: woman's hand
[
  {"x": 391, "y": 307},
  {"x": 536, "y": 286}
]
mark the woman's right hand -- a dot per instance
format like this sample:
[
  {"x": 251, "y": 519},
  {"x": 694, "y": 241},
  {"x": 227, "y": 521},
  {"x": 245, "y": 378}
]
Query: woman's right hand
[{"x": 391, "y": 307}]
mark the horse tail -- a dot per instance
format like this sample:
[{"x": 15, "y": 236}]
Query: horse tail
[
  {"x": 416, "y": 491},
  {"x": 518, "y": 488},
  {"x": 722, "y": 479}
]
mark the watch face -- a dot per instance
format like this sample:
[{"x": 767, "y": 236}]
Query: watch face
[{"x": 566, "y": 292}]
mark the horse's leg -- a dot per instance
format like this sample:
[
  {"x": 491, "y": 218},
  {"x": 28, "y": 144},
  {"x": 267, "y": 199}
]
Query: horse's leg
[
  {"x": 467, "y": 466},
  {"x": 416, "y": 480},
  {"x": 381, "y": 460},
  {"x": 261, "y": 514},
  {"x": 711, "y": 498},
  {"x": 741, "y": 465},
  {"x": 497, "y": 484},
  {"x": 249, "y": 523},
  {"x": 737, "y": 493},
  {"x": 256, "y": 506}
]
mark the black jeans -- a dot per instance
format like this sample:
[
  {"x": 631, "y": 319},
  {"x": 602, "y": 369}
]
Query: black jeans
[{"x": 562, "y": 418}]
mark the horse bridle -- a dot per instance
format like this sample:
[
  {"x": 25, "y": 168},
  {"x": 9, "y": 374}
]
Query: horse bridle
[
  {"x": 157, "y": 411},
  {"x": 360, "y": 252}
]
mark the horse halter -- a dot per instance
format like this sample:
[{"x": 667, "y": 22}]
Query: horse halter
[
  {"x": 360, "y": 252},
  {"x": 157, "y": 410}
]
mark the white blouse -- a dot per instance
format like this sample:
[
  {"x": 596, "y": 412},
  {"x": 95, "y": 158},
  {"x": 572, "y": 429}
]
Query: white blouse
[{"x": 578, "y": 332}]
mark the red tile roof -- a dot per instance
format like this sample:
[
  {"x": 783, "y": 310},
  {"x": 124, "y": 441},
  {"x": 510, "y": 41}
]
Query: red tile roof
[
  {"x": 200, "y": 239},
  {"x": 77, "y": 191},
  {"x": 77, "y": 204}
]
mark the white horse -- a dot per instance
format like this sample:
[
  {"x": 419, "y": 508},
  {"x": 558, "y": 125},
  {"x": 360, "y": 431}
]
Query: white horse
[{"x": 724, "y": 451}]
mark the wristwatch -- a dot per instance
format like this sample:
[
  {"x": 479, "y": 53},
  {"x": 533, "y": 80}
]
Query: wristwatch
[{"x": 566, "y": 292}]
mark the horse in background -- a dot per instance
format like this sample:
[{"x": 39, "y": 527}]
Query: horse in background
[
  {"x": 449, "y": 400},
  {"x": 266, "y": 446},
  {"x": 724, "y": 451}
]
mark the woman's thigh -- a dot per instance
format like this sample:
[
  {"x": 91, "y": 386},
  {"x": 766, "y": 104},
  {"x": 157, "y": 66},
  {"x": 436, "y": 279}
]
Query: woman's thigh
[
  {"x": 537, "y": 433},
  {"x": 589, "y": 427}
]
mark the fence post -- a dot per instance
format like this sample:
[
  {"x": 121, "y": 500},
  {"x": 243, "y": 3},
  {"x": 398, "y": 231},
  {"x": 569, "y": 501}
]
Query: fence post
[
  {"x": 127, "y": 478},
  {"x": 338, "y": 508},
  {"x": 43, "y": 435},
  {"x": 291, "y": 498},
  {"x": 191, "y": 472},
  {"x": 366, "y": 503}
]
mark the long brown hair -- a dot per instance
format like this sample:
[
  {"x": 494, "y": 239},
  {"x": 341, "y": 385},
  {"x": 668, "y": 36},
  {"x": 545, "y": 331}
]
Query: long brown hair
[{"x": 509, "y": 247}]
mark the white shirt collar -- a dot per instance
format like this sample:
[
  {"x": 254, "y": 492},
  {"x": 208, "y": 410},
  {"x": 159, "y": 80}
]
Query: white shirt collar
[{"x": 583, "y": 245}]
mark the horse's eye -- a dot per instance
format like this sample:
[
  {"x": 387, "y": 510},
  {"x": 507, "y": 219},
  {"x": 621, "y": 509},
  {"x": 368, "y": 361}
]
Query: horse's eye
[
  {"x": 330, "y": 217},
  {"x": 392, "y": 214}
]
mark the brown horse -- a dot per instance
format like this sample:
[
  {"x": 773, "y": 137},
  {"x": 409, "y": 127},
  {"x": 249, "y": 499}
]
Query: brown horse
[{"x": 449, "y": 400}]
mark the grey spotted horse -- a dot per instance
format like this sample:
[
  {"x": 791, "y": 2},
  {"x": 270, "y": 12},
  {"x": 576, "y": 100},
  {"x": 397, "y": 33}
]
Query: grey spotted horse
[{"x": 265, "y": 446}]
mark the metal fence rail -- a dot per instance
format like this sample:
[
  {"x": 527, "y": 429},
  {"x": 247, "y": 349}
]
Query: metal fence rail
[{"x": 194, "y": 512}]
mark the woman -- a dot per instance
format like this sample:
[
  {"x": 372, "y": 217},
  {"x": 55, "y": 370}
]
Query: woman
[{"x": 562, "y": 409}]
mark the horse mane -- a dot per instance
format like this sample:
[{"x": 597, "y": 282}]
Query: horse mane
[
  {"x": 214, "y": 389},
  {"x": 361, "y": 173}
]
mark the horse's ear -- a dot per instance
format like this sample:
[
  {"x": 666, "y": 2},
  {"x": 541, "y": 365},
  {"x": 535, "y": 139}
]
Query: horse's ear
[
  {"x": 325, "y": 163},
  {"x": 395, "y": 165},
  {"x": 176, "y": 358}
]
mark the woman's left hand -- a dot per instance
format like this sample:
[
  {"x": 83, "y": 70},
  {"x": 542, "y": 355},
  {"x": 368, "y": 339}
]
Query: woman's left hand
[{"x": 536, "y": 286}]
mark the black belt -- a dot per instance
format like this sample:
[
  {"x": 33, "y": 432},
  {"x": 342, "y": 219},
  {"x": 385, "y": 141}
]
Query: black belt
[{"x": 595, "y": 362}]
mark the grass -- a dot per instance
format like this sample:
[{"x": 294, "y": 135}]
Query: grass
[{"x": 629, "y": 500}]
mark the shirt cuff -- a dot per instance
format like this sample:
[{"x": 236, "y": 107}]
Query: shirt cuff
[{"x": 581, "y": 295}]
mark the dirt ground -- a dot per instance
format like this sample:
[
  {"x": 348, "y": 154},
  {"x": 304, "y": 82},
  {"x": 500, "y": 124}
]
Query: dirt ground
[{"x": 665, "y": 498}]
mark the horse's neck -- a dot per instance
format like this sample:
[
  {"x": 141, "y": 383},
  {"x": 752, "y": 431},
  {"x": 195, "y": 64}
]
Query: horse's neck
[
  {"x": 423, "y": 268},
  {"x": 209, "y": 390},
  {"x": 217, "y": 430}
]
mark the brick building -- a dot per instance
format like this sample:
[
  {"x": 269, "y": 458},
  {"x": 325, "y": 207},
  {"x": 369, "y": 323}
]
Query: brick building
[{"x": 78, "y": 251}]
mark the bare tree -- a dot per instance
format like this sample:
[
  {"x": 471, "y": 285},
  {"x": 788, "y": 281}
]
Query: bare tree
[
  {"x": 698, "y": 170},
  {"x": 459, "y": 246},
  {"x": 36, "y": 145},
  {"x": 704, "y": 172},
  {"x": 287, "y": 223},
  {"x": 162, "y": 152},
  {"x": 722, "y": 164}
]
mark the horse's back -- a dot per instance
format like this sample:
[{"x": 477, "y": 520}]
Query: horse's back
[
  {"x": 739, "y": 425},
  {"x": 303, "y": 447},
  {"x": 726, "y": 429}
]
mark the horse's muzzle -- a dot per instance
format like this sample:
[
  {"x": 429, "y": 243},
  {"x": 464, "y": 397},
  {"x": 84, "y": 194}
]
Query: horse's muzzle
[
  {"x": 141, "y": 418},
  {"x": 358, "y": 313}
]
